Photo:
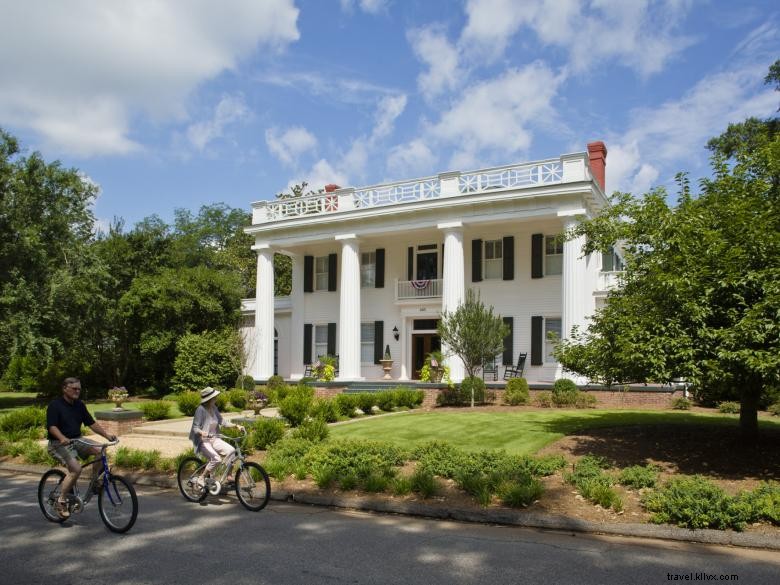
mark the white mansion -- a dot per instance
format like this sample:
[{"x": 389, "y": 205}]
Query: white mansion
[{"x": 375, "y": 267}]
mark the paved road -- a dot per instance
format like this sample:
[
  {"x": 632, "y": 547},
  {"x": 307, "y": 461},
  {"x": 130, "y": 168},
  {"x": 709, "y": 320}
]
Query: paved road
[{"x": 176, "y": 542}]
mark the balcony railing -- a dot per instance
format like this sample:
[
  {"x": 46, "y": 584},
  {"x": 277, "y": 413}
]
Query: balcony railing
[
  {"x": 418, "y": 289},
  {"x": 608, "y": 280},
  {"x": 547, "y": 172}
]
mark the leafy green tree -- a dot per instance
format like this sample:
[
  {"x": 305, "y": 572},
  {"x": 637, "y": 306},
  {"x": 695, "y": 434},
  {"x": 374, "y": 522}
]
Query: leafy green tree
[
  {"x": 700, "y": 296},
  {"x": 473, "y": 333},
  {"x": 46, "y": 226},
  {"x": 158, "y": 309},
  {"x": 210, "y": 358}
]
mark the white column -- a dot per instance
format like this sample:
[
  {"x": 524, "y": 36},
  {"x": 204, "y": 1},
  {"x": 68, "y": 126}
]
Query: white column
[
  {"x": 297, "y": 302},
  {"x": 349, "y": 309},
  {"x": 264, "y": 313},
  {"x": 574, "y": 286},
  {"x": 454, "y": 290}
]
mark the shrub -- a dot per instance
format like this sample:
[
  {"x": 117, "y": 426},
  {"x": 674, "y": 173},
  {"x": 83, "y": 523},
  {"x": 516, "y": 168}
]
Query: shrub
[
  {"x": 476, "y": 485},
  {"x": 385, "y": 400},
  {"x": 275, "y": 382},
  {"x": 639, "y": 476},
  {"x": 21, "y": 375},
  {"x": 366, "y": 401},
  {"x": 729, "y": 407},
  {"x": 285, "y": 456},
  {"x": 347, "y": 403},
  {"x": 585, "y": 400},
  {"x": 238, "y": 397},
  {"x": 564, "y": 392},
  {"x": 324, "y": 477},
  {"x": 681, "y": 403},
  {"x": 520, "y": 494},
  {"x": 295, "y": 406},
  {"x": 23, "y": 419},
  {"x": 408, "y": 398},
  {"x": 695, "y": 502},
  {"x": 207, "y": 359},
  {"x": 775, "y": 409},
  {"x": 356, "y": 457},
  {"x": 424, "y": 483},
  {"x": 516, "y": 392},
  {"x": 593, "y": 484},
  {"x": 156, "y": 410},
  {"x": 376, "y": 482},
  {"x": 439, "y": 458},
  {"x": 477, "y": 385},
  {"x": 265, "y": 432},
  {"x": 544, "y": 399},
  {"x": 764, "y": 503},
  {"x": 401, "y": 485},
  {"x": 136, "y": 458},
  {"x": 324, "y": 409},
  {"x": 245, "y": 382},
  {"x": 188, "y": 402},
  {"x": 312, "y": 429}
]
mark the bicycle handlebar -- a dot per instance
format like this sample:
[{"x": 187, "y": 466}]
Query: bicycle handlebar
[{"x": 91, "y": 444}]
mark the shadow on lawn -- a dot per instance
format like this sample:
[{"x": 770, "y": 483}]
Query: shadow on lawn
[
  {"x": 9, "y": 400},
  {"x": 711, "y": 447}
]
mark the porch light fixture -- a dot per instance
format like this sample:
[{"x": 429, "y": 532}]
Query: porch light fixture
[{"x": 395, "y": 333}]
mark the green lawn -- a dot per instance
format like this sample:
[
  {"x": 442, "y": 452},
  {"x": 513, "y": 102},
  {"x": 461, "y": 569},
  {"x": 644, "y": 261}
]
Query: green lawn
[
  {"x": 13, "y": 400},
  {"x": 522, "y": 432},
  {"x": 93, "y": 407}
]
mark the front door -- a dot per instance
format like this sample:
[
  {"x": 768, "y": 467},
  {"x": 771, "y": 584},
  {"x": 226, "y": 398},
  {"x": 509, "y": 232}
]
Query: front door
[{"x": 422, "y": 345}]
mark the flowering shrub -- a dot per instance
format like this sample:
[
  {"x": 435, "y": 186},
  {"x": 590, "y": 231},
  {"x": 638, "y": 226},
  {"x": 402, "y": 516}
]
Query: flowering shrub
[{"x": 117, "y": 393}]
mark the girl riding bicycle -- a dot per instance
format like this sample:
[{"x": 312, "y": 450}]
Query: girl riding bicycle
[{"x": 205, "y": 427}]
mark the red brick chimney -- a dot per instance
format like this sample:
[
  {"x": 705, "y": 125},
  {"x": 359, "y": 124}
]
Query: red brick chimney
[
  {"x": 597, "y": 153},
  {"x": 332, "y": 187}
]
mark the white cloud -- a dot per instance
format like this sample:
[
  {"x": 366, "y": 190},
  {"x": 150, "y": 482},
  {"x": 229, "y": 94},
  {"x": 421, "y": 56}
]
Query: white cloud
[
  {"x": 498, "y": 115},
  {"x": 322, "y": 173},
  {"x": 229, "y": 109},
  {"x": 289, "y": 145},
  {"x": 412, "y": 159},
  {"x": 678, "y": 130},
  {"x": 369, "y": 6},
  {"x": 388, "y": 110},
  {"x": 441, "y": 58},
  {"x": 640, "y": 34},
  {"x": 100, "y": 64}
]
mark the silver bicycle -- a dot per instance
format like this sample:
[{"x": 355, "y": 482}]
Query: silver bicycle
[{"x": 252, "y": 484}]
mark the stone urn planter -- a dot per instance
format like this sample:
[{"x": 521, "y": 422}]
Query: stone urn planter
[
  {"x": 387, "y": 365},
  {"x": 117, "y": 396}
]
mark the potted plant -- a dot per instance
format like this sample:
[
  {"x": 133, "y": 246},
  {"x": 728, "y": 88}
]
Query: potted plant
[
  {"x": 433, "y": 368},
  {"x": 257, "y": 400},
  {"x": 118, "y": 395},
  {"x": 387, "y": 364}
]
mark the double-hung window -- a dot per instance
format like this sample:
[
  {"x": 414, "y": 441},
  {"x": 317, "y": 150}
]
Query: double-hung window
[
  {"x": 368, "y": 270},
  {"x": 553, "y": 255},
  {"x": 367, "y": 343},
  {"x": 320, "y": 340},
  {"x": 551, "y": 326},
  {"x": 494, "y": 259},
  {"x": 321, "y": 273}
]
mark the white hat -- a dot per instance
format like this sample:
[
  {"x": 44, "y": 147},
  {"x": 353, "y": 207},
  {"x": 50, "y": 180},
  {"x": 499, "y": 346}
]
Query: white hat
[{"x": 207, "y": 394}]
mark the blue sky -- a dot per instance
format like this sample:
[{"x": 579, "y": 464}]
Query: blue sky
[{"x": 171, "y": 104}]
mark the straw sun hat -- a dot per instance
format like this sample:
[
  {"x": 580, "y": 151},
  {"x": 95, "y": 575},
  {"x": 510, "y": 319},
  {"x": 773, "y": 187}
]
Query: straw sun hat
[{"x": 207, "y": 394}]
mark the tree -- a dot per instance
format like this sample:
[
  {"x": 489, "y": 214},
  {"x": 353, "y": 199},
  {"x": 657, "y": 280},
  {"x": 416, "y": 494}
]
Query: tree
[
  {"x": 473, "y": 333},
  {"x": 700, "y": 295}
]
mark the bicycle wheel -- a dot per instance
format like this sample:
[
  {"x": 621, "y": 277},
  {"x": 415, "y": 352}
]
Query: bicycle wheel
[
  {"x": 48, "y": 492},
  {"x": 253, "y": 487},
  {"x": 190, "y": 469},
  {"x": 118, "y": 504}
]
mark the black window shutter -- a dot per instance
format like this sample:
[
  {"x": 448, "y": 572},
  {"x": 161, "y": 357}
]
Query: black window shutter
[
  {"x": 331, "y": 339},
  {"x": 410, "y": 263},
  {"x": 308, "y": 274},
  {"x": 509, "y": 258},
  {"x": 508, "y": 359},
  {"x": 379, "y": 281},
  {"x": 476, "y": 260},
  {"x": 307, "y": 343},
  {"x": 332, "y": 264},
  {"x": 537, "y": 343},
  {"x": 537, "y": 249},
  {"x": 379, "y": 336}
]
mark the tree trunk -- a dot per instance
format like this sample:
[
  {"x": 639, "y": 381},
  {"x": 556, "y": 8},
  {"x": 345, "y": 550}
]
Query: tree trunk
[{"x": 748, "y": 413}]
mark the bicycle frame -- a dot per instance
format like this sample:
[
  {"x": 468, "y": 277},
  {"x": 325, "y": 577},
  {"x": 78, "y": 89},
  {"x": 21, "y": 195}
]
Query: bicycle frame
[
  {"x": 78, "y": 502},
  {"x": 225, "y": 467}
]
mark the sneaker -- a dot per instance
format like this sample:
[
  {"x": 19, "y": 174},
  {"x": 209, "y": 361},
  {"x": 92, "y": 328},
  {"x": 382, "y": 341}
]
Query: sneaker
[
  {"x": 62, "y": 509},
  {"x": 200, "y": 482}
]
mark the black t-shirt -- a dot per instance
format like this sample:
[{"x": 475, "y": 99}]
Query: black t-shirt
[{"x": 67, "y": 417}]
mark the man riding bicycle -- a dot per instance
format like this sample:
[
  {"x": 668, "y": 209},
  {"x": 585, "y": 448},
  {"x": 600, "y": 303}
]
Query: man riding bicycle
[{"x": 64, "y": 418}]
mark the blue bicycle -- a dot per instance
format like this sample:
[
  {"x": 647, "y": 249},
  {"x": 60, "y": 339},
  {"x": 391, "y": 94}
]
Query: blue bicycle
[{"x": 117, "y": 502}]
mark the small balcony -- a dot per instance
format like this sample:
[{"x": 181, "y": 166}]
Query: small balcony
[
  {"x": 607, "y": 281},
  {"x": 418, "y": 289}
]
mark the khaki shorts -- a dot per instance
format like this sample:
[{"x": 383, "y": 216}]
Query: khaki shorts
[{"x": 73, "y": 450}]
